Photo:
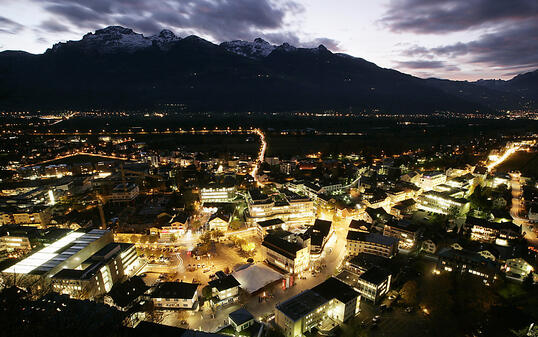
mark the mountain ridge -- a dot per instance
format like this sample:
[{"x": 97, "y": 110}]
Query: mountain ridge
[{"x": 122, "y": 68}]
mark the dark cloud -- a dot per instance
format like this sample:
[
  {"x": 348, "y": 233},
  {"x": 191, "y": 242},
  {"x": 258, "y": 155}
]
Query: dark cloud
[
  {"x": 514, "y": 47},
  {"x": 510, "y": 40},
  {"x": 432, "y": 16},
  {"x": 8, "y": 26},
  {"x": 53, "y": 26},
  {"x": 330, "y": 44},
  {"x": 421, "y": 64},
  {"x": 220, "y": 19}
]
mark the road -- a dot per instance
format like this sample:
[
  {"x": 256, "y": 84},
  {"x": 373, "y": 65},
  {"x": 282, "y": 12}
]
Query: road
[
  {"x": 261, "y": 156},
  {"x": 517, "y": 208}
]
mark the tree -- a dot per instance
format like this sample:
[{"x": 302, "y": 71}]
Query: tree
[
  {"x": 207, "y": 293},
  {"x": 409, "y": 292}
]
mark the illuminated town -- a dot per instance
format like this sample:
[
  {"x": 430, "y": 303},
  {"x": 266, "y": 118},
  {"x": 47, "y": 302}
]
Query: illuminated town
[
  {"x": 241, "y": 243},
  {"x": 268, "y": 168}
]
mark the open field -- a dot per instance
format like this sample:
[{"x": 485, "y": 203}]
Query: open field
[{"x": 525, "y": 162}]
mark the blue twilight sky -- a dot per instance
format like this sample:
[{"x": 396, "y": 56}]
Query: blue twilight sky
[{"x": 456, "y": 39}]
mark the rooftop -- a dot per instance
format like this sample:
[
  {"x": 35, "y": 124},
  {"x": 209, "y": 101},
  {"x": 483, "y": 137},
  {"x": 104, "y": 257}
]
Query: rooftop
[
  {"x": 240, "y": 316},
  {"x": 375, "y": 275},
  {"x": 181, "y": 290},
  {"x": 224, "y": 283}
]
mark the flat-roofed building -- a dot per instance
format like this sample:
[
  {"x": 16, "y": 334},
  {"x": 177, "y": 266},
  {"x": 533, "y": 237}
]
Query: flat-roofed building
[
  {"x": 269, "y": 225},
  {"x": 371, "y": 243},
  {"x": 374, "y": 283},
  {"x": 66, "y": 252},
  {"x": 96, "y": 275},
  {"x": 332, "y": 299},
  {"x": 124, "y": 193},
  {"x": 216, "y": 193}
]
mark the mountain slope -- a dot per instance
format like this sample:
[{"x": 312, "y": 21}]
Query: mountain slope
[{"x": 118, "y": 68}]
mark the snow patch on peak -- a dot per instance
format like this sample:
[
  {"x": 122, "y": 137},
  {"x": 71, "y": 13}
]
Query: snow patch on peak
[
  {"x": 119, "y": 39},
  {"x": 259, "y": 48}
]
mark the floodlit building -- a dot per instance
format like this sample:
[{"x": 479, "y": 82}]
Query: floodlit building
[
  {"x": 219, "y": 221},
  {"x": 175, "y": 295},
  {"x": 482, "y": 230},
  {"x": 374, "y": 283},
  {"x": 319, "y": 234},
  {"x": 331, "y": 300},
  {"x": 441, "y": 203},
  {"x": 225, "y": 289},
  {"x": 96, "y": 275},
  {"x": 429, "y": 180},
  {"x": 287, "y": 206},
  {"x": 287, "y": 251},
  {"x": 371, "y": 243},
  {"x": 218, "y": 194},
  {"x": 269, "y": 225},
  {"x": 405, "y": 231},
  {"x": 81, "y": 264}
]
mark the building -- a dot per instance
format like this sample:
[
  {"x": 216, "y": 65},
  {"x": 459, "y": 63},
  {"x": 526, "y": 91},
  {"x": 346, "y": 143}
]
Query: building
[
  {"x": 429, "y": 180},
  {"x": 517, "y": 268},
  {"x": 371, "y": 243},
  {"x": 175, "y": 295},
  {"x": 288, "y": 206},
  {"x": 466, "y": 262},
  {"x": 171, "y": 231},
  {"x": 215, "y": 193},
  {"x": 405, "y": 231},
  {"x": 224, "y": 289},
  {"x": 374, "y": 283},
  {"x": 94, "y": 277},
  {"x": 241, "y": 319},
  {"x": 35, "y": 215},
  {"x": 66, "y": 252},
  {"x": 17, "y": 238},
  {"x": 404, "y": 207},
  {"x": 360, "y": 226},
  {"x": 319, "y": 234},
  {"x": 441, "y": 203},
  {"x": 482, "y": 230},
  {"x": 219, "y": 221},
  {"x": 81, "y": 264},
  {"x": 269, "y": 225},
  {"x": 287, "y": 251},
  {"x": 124, "y": 193},
  {"x": 331, "y": 300},
  {"x": 287, "y": 167}
]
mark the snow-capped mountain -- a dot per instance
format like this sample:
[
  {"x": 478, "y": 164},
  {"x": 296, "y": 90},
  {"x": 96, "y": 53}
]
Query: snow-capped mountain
[
  {"x": 257, "y": 49},
  {"x": 116, "y": 38}
]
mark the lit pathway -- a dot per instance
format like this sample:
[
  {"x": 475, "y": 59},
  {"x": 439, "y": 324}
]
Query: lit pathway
[{"x": 261, "y": 156}]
